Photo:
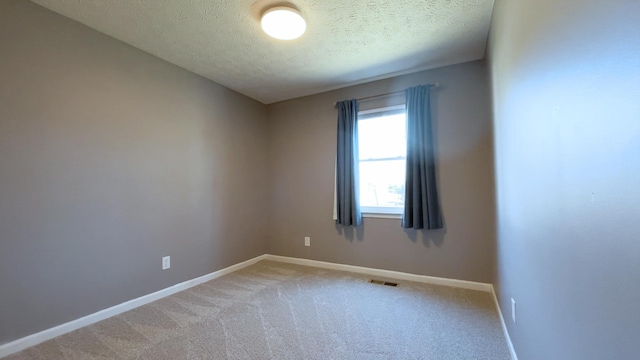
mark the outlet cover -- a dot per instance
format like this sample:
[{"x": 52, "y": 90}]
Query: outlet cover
[
  {"x": 166, "y": 262},
  {"x": 307, "y": 241}
]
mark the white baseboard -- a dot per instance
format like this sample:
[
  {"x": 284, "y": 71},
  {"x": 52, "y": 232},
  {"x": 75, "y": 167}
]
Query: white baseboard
[
  {"x": 514, "y": 356},
  {"x": 37, "y": 338},
  {"x": 385, "y": 273}
]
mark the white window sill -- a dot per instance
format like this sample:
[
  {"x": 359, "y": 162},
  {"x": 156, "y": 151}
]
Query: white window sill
[{"x": 381, "y": 215}]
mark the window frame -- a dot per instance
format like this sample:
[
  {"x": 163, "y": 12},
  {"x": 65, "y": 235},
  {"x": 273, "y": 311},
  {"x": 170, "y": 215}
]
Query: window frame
[{"x": 384, "y": 212}]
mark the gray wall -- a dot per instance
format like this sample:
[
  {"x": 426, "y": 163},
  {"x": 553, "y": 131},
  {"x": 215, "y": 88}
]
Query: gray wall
[
  {"x": 302, "y": 138},
  {"x": 566, "y": 80},
  {"x": 110, "y": 159}
]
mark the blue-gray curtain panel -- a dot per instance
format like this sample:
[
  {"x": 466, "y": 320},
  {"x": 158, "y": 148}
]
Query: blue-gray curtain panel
[
  {"x": 347, "y": 202},
  {"x": 421, "y": 205}
]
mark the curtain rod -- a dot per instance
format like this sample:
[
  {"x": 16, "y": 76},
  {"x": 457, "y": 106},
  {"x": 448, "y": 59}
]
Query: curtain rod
[{"x": 388, "y": 94}]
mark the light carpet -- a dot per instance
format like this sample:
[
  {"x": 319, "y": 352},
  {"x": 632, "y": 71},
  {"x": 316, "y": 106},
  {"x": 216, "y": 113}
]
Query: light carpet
[{"x": 273, "y": 310}]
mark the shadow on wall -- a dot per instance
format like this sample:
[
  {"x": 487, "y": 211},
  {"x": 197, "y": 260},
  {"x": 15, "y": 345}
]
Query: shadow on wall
[
  {"x": 435, "y": 237},
  {"x": 428, "y": 237},
  {"x": 351, "y": 232}
]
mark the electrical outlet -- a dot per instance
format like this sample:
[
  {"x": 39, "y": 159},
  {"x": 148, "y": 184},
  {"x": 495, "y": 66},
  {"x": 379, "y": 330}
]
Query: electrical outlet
[
  {"x": 307, "y": 241},
  {"x": 166, "y": 262},
  {"x": 513, "y": 310}
]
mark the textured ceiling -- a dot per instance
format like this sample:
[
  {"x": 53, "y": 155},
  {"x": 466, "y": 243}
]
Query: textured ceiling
[{"x": 347, "y": 41}]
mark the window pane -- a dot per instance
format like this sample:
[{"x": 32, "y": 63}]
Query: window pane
[
  {"x": 382, "y": 137},
  {"x": 382, "y": 183}
]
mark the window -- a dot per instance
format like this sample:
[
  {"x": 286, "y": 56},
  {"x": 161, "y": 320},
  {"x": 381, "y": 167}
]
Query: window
[{"x": 382, "y": 145}]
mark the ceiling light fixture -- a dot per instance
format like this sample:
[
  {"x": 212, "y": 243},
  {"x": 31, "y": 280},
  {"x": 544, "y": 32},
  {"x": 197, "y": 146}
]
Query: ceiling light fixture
[{"x": 284, "y": 23}]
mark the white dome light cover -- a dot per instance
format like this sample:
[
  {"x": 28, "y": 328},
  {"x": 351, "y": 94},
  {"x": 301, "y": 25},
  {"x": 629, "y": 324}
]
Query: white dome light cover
[{"x": 284, "y": 23}]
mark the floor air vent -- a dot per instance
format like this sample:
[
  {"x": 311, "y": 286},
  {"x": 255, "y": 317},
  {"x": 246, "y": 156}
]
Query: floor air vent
[{"x": 380, "y": 282}]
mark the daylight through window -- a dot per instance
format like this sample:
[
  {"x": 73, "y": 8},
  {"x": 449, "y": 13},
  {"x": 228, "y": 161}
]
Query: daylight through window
[{"x": 382, "y": 139}]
